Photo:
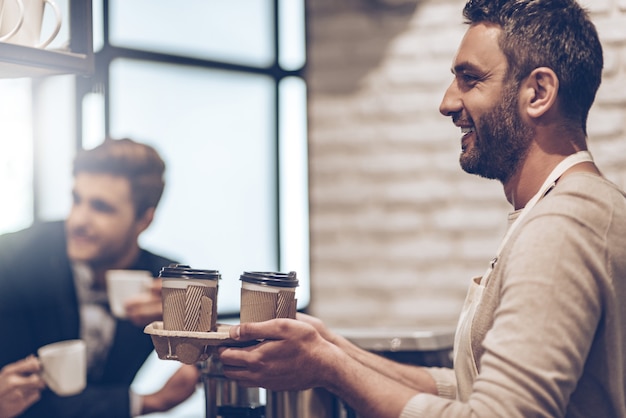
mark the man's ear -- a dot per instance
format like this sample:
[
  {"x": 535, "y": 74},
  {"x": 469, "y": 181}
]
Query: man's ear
[
  {"x": 144, "y": 221},
  {"x": 540, "y": 91}
]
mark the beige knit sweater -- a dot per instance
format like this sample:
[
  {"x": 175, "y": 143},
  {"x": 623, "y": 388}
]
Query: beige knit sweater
[{"x": 549, "y": 337}]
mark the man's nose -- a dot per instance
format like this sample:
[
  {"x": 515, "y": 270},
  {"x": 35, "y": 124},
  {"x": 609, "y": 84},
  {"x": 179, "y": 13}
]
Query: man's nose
[
  {"x": 79, "y": 214},
  {"x": 451, "y": 102}
]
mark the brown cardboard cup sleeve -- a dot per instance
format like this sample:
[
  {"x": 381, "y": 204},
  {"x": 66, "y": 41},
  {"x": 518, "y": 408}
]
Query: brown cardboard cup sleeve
[
  {"x": 189, "y": 298},
  {"x": 190, "y": 309},
  {"x": 286, "y": 305},
  {"x": 258, "y": 306}
]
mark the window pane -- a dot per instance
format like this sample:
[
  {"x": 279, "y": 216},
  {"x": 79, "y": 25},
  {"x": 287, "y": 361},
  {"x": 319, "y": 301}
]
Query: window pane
[
  {"x": 294, "y": 183},
  {"x": 93, "y": 119},
  {"x": 16, "y": 155},
  {"x": 238, "y": 31},
  {"x": 56, "y": 145},
  {"x": 291, "y": 32},
  {"x": 215, "y": 131},
  {"x": 98, "y": 25}
]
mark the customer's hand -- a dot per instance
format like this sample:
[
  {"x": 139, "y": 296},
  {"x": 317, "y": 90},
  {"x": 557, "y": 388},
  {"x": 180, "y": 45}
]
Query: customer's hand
[
  {"x": 147, "y": 307},
  {"x": 177, "y": 389},
  {"x": 20, "y": 386}
]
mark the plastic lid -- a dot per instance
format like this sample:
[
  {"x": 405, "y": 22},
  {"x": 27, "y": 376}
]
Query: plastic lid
[
  {"x": 183, "y": 271},
  {"x": 269, "y": 278}
]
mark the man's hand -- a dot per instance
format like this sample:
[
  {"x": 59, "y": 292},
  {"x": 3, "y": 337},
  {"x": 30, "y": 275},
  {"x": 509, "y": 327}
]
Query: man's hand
[
  {"x": 319, "y": 326},
  {"x": 20, "y": 386},
  {"x": 146, "y": 307},
  {"x": 290, "y": 355},
  {"x": 297, "y": 355}
]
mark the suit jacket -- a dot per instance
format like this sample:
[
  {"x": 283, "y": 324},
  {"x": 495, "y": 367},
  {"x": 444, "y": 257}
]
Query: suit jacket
[{"x": 38, "y": 306}]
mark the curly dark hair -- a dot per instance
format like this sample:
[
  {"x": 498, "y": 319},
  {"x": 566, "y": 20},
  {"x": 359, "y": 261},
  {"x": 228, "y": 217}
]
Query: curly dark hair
[
  {"x": 139, "y": 163},
  {"x": 557, "y": 34}
]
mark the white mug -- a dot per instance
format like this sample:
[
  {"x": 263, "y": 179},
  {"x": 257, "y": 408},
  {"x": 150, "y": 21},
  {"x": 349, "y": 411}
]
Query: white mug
[
  {"x": 30, "y": 32},
  {"x": 16, "y": 19},
  {"x": 124, "y": 284},
  {"x": 64, "y": 366}
]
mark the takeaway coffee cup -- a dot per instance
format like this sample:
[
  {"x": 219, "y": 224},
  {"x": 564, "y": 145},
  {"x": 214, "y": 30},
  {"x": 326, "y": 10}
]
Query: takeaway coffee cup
[
  {"x": 189, "y": 298},
  {"x": 64, "y": 366},
  {"x": 13, "y": 22},
  {"x": 124, "y": 284},
  {"x": 267, "y": 295},
  {"x": 31, "y": 13}
]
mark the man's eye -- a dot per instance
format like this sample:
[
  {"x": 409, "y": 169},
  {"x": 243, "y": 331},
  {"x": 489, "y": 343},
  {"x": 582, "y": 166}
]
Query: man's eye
[
  {"x": 469, "y": 79},
  {"x": 102, "y": 207}
]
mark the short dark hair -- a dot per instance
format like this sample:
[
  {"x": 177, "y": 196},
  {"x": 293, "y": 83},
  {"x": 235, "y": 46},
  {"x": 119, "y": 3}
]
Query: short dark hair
[
  {"x": 139, "y": 163},
  {"x": 557, "y": 34}
]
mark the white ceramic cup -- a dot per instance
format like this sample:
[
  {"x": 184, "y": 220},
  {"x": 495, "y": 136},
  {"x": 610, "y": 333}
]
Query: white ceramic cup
[
  {"x": 13, "y": 23},
  {"x": 29, "y": 34},
  {"x": 124, "y": 284},
  {"x": 64, "y": 366}
]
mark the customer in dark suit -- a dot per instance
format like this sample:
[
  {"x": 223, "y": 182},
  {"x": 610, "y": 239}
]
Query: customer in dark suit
[{"x": 52, "y": 284}]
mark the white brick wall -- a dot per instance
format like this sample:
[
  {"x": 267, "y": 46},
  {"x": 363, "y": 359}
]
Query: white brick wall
[{"x": 397, "y": 228}]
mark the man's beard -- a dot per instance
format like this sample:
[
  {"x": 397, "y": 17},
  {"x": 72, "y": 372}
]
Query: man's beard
[{"x": 501, "y": 140}]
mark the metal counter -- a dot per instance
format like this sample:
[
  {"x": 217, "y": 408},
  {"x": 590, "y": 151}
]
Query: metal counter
[{"x": 426, "y": 347}]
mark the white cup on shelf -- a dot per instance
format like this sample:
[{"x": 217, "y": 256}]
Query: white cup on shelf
[
  {"x": 31, "y": 12},
  {"x": 13, "y": 22}
]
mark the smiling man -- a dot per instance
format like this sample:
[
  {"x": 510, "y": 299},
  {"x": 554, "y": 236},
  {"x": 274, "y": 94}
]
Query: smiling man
[
  {"x": 52, "y": 284},
  {"x": 542, "y": 331},
  {"x": 481, "y": 74},
  {"x": 103, "y": 228}
]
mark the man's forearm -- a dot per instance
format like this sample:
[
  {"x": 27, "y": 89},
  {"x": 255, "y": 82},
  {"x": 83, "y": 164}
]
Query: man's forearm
[
  {"x": 369, "y": 392},
  {"x": 414, "y": 377}
]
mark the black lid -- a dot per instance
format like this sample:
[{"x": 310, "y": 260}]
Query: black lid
[
  {"x": 183, "y": 271},
  {"x": 270, "y": 278}
]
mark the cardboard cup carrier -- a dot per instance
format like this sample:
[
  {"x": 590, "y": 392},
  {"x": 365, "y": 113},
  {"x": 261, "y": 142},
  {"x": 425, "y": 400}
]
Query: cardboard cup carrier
[
  {"x": 189, "y": 298},
  {"x": 268, "y": 295}
]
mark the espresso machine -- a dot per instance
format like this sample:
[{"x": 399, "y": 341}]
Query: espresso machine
[{"x": 227, "y": 399}]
